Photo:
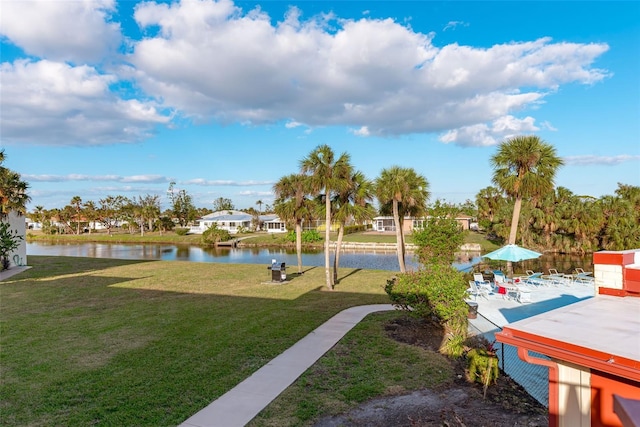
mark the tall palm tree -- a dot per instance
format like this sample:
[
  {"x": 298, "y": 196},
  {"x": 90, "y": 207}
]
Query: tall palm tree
[
  {"x": 91, "y": 213},
  {"x": 76, "y": 203},
  {"x": 408, "y": 192},
  {"x": 327, "y": 175},
  {"x": 353, "y": 203},
  {"x": 259, "y": 203},
  {"x": 524, "y": 167},
  {"x": 13, "y": 191},
  {"x": 292, "y": 204}
]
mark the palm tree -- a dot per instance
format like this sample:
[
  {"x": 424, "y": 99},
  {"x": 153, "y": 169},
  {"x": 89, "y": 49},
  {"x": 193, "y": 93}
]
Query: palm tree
[
  {"x": 524, "y": 167},
  {"x": 408, "y": 192},
  {"x": 76, "y": 203},
  {"x": 327, "y": 175},
  {"x": 13, "y": 191},
  {"x": 292, "y": 204},
  {"x": 352, "y": 204},
  {"x": 259, "y": 203},
  {"x": 91, "y": 213}
]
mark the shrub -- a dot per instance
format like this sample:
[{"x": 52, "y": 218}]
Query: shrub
[
  {"x": 308, "y": 236},
  {"x": 439, "y": 291},
  {"x": 181, "y": 231},
  {"x": 9, "y": 242},
  {"x": 349, "y": 229},
  {"x": 482, "y": 367},
  {"x": 213, "y": 235}
]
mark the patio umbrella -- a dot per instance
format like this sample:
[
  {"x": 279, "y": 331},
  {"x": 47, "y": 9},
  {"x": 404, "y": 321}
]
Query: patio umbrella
[{"x": 513, "y": 253}]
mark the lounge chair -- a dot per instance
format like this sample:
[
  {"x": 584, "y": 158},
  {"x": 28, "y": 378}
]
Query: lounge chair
[
  {"x": 479, "y": 278},
  {"x": 477, "y": 290},
  {"x": 584, "y": 277},
  {"x": 556, "y": 278},
  {"x": 533, "y": 278}
]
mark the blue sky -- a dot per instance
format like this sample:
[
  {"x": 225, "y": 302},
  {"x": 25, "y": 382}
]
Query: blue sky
[{"x": 101, "y": 98}]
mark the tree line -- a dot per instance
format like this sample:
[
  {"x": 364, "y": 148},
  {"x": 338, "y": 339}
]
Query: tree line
[
  {"x": 564, "y": 222},
  {"x": 523, "y": 202}
]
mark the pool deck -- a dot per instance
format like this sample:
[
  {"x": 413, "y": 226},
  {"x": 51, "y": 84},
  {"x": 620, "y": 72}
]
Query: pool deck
[{"x": 500, "y": 311}]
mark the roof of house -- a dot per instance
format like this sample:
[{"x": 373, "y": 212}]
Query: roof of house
[
  {"x": 599, "y": 333},
  {"x": 236, "y": 217}
]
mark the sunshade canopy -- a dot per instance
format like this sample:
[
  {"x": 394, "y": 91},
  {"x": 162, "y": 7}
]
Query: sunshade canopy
[{"x": 512, "y": 253}]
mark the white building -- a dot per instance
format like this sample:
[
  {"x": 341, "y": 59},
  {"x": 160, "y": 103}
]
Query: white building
[{"x": 17, "y": 223}]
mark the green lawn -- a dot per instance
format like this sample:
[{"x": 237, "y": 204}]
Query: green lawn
[{"x": 113, "y": 342}]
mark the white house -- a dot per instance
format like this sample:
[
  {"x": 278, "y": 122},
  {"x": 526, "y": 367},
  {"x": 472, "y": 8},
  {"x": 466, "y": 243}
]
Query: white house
[
  {"x": 17, "y": 223},
  {"x": 273, "y": 224},
  {"x": 31, "y": 224},
  {"x": 229, "y": 220}
]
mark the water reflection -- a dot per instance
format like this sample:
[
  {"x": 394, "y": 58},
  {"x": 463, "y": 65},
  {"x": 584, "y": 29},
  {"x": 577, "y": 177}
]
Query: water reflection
[{"x": 368, "y": 259}]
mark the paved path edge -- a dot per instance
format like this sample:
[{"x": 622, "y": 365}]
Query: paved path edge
[{"x": 242, "y": 403}]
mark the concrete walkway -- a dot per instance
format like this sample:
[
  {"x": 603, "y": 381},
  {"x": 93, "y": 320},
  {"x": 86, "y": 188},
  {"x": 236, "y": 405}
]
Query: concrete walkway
[{"x": 242, "y": 403}]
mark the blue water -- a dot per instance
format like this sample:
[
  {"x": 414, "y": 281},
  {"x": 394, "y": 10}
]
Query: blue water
[{"x": 371, "y": 260}]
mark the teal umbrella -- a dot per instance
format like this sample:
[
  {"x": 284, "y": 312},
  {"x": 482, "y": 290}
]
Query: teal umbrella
[{"x": 513, "y": 253}]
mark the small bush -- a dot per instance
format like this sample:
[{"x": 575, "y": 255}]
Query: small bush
[
  {"x": 482, "y": 367},
  {"x": 308, "y": 236},
  {"x": 439, "y": 291},
  {"x": 350, "y": 229},
  {"x": 181, "y": 231},
  {"x": 213, "y": 235}
]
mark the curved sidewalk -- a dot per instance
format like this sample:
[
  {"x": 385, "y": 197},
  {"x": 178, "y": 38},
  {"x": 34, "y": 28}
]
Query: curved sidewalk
[{"x": 242, "y": 403}]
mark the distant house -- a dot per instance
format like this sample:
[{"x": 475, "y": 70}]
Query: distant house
[
  {"x": 229, "y": 220},
  {"x": 592, "y": 348},
  {"x": 31, "y": 224},
  {"x": 273, "y": 224},
  {"x": 387, "y": 223}
]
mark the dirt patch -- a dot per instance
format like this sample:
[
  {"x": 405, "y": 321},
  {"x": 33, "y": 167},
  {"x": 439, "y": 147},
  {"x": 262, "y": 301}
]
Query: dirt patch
[{"x": 458, "y": 403}]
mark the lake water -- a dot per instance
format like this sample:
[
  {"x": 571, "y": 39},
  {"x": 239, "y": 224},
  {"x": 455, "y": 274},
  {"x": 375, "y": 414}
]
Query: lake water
[
  {"x": 369, "y": 259},
  {"x": 374, "y": 260}
]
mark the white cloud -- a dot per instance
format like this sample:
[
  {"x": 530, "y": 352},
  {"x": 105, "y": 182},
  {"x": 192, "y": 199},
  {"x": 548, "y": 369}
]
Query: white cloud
[
  {"x": 212, "y": 60},
  {"x": 81, "y": 177},
  {"x": 77, "y": 31},
  {"x": 209, "y": 182},
  {"x": 363, "y": 131},
  {"x": 600, "y": 160},
  {"x": 52, "y": 103},
  {"x": 483, "y": 135},
  {"x": 256, "y": 193},
  {"x": 452, "y": 25}
]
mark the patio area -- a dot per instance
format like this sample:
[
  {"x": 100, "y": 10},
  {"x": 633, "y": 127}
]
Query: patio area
[
  {"x": 501, "y": 310},
  {"x": 496, "y": 311}
]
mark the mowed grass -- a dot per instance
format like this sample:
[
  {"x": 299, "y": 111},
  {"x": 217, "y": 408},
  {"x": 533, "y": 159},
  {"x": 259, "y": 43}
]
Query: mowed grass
[{"x": 114, "y": 342}]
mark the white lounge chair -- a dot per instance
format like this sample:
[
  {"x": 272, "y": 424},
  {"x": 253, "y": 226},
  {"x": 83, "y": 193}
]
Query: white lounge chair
[
  {"x": 479, "y": 278},
  {"x": 477, "y": 290}
]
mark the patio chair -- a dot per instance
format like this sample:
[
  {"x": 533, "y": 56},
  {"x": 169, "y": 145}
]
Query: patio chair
[
  {"x": 555, "y": 278},
  {"x": 479, "y": 278},
  {"x": 477, "y": 290},
  {"x": 583, "y": 277},
  {"x": 533, "y": 278}
]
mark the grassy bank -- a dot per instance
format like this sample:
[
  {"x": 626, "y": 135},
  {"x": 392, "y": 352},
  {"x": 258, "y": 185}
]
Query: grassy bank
[{"x": 88, "y": 341}]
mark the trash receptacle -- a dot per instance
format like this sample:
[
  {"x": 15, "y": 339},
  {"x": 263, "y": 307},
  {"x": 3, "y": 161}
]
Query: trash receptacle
[{"x": 473, "y": 309}]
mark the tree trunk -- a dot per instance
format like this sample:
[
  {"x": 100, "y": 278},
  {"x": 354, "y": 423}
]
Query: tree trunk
[
  {"x": 336, "y": 258},
  {"x": 299, "y": 245},
  {"x": 399, "y": 240},
  {"x": 514, "y": 230},
  {"x": 327, "y": 238}
]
